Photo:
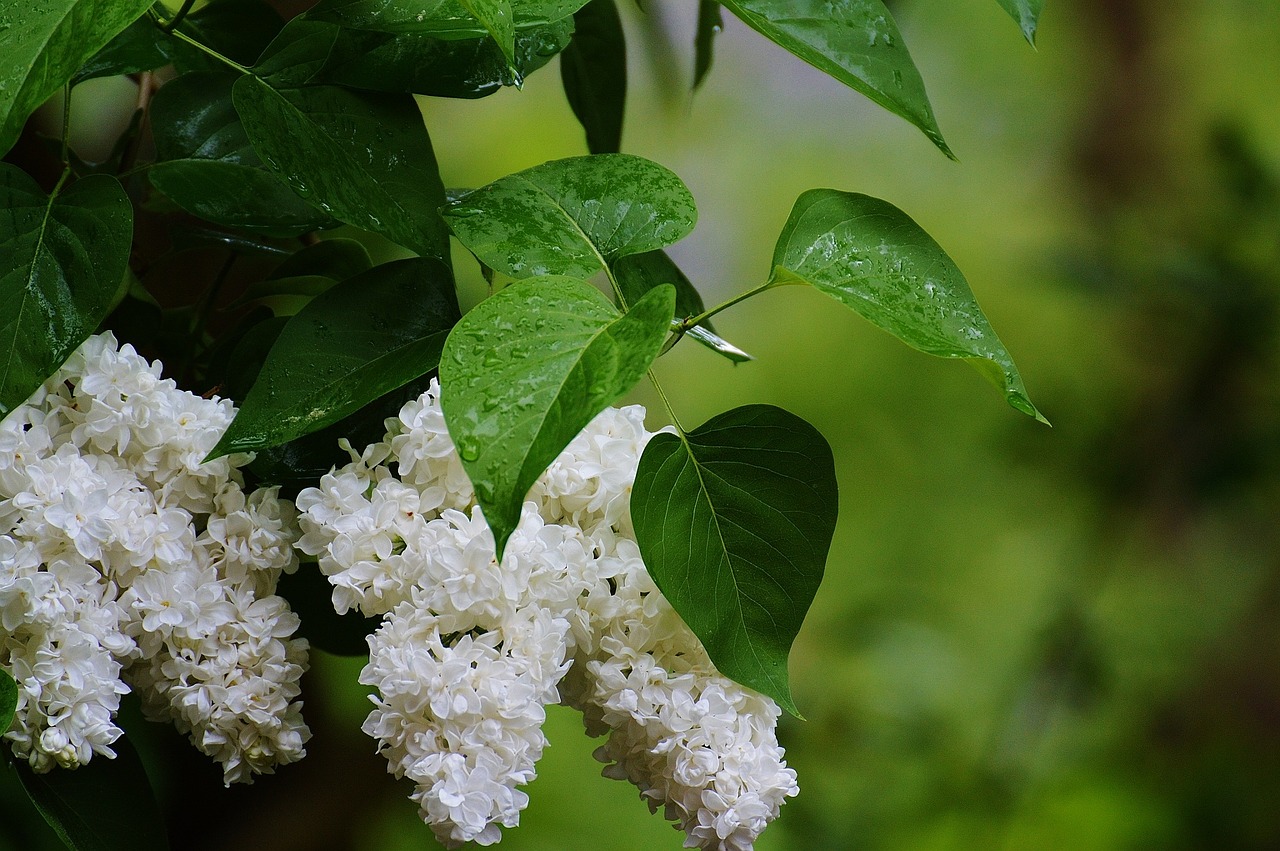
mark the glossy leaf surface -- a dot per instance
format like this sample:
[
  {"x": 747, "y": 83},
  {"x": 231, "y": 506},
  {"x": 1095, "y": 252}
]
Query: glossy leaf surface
[
  {"x": 364, "y": 158},
  {"x": 207, "y": 167},
  {"x": 429, "y": 65},
  {"x": 141, "y": 46},
  {"x": 335, "y": 258},
  {"x": 855, "y": 41},
  {"x": 1026, "y": 13},
  {"x": 44, "y": 44},
  {"x": 734, "y": 521},
  {"x": 871, "y": 257},
  {"x": 594, "y": 71},
  {"x": 106, "y": 805},
  {"x": 350, "y": 345},
  {"x": 573, "y": 216},
  {"x": 529, "y": 368},
  {"x": 62, "y": 260},
  {"x": 457, "y": 18}
]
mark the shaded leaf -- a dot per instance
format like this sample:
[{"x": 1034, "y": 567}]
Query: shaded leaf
[
  {"x": 106, "y": 805},
  {"x": 141, "y": 46},
  {"x": 351, "y": 344},
  {"x": 333, "y": 258},
  {"x": 365, "y": 158},
  {"x": 734, "y": 521},
  {"x": 429, "y": 65},
  {"x": 573, "y": 216},
  {"x": 284, "y": 296},
  {"x": 44, "y": 44},
  {"x": 1026, "y": 13},
  {"x": 873, "y": 258},
  {"x": 297, "y": 54},
  {"x": 529, "y": 368},
  {"x": 238, "y": 29},
  {"x": 497, "y": 18},
  {"x": 855, "y": 41},
  {"x": 62, "y": 261},
  {"x": 710, "y": 24},
  {"x": 207, "y": 167},
  {"x": 594, "y": 71}
]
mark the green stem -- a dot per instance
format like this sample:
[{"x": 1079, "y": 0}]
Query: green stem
[
  {"x": 196, "y": 44},
  {"x": 177, "y": 18},
  {"x": 66, "y": 125},
  {"x": 686, "y": 324},
  {"x": 653, "y": 379}
]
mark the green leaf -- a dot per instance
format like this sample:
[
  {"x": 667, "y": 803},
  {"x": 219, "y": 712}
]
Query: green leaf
[
  {"x": 106, "y": 805},
  {"x": 855, "y": 41},
  {"x": 8, "y": 700},
  {"x": 44, "y": 44},
  {"x": 284, "y": 296},
  {"x": 208, "y": 168},
  {"x": 636, "y": 274},
  {"x": 297, "y": 54},
  {"x": 528, "y": 369},
  {"x": 710, "y": 24},
  {"x": 1027, "y": 14},
  {"x": 454, "y": 18},
  {"x": 333, "y": 258},
  {"x": 238, "y": 29},
  {"x": 873, "y": 258},
  {"x": 62, "y": 259},
  {"x": 594, "y": 71},
  {"x": 351, "y": 344},
  {"x": 365, "y": 158},
  {"x": 573, "y": 216},
  {"x": 141, "y": 46},
  {"x": 429, "y": 65},
  {"x": 497, "y": 18},
  {"x": 734, "y": 521}
]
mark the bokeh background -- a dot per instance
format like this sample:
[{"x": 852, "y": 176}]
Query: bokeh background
[{"x": 1027, "y": 638}]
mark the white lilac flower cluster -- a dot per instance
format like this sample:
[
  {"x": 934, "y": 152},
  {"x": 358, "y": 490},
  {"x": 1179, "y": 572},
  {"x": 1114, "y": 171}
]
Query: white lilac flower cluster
[
  {"x": 470, "y": 654},
  {"x": 127, "y": 562}
]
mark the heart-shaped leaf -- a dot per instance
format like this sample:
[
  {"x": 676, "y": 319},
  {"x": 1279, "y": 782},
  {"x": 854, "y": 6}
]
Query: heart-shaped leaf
[
  {"x": 351, "y": 344},
  {"x": 1026, "y": 13},
  {"x": 871, "y": 257},
  {"x": 855, "y": 41},
  {"x": 363, "y": 157},
  {"x": 573, "y": 216},
  {"x": 62, "y": 261},
  {"x": 106, "y": 805},
  {"x": 528, "y": 369},
  {"x": 45, "y": 44},
  {"x": 594, "y": 71},
  {"x": 734, "y": 521}
]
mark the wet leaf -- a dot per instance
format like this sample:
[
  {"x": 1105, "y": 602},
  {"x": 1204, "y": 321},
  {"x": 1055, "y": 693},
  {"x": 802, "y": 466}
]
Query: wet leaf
[
  {"x": 45, "y": 44},
  {"x": 573, "y": 216},
  {"x": 734, "y": 521},
  {"x": 855, "y": 41},
  {"x": 8, "y": 699},
  {"x": 871, "y": 257},
  {"x": 1026, "y": 13},
  {"x": 62, "y": 261},
  {"x": 350, "y": 345},
  {"x": 710, "y": 23},
  {"x": 528, "y": 369},
  {"x": 454, "y": 18}
]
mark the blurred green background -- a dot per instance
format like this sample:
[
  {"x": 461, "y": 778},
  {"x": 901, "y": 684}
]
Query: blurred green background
[{"x": 1027, "y": 638}]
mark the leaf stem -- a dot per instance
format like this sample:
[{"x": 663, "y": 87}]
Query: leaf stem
[
  {"x": 686, "y": 324},
  {"x": 66, "y": 126},
  {"x": 155, "y": 16},
  {"x": 178, "y": 16},
  {"x": 653, "y": 379}
]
